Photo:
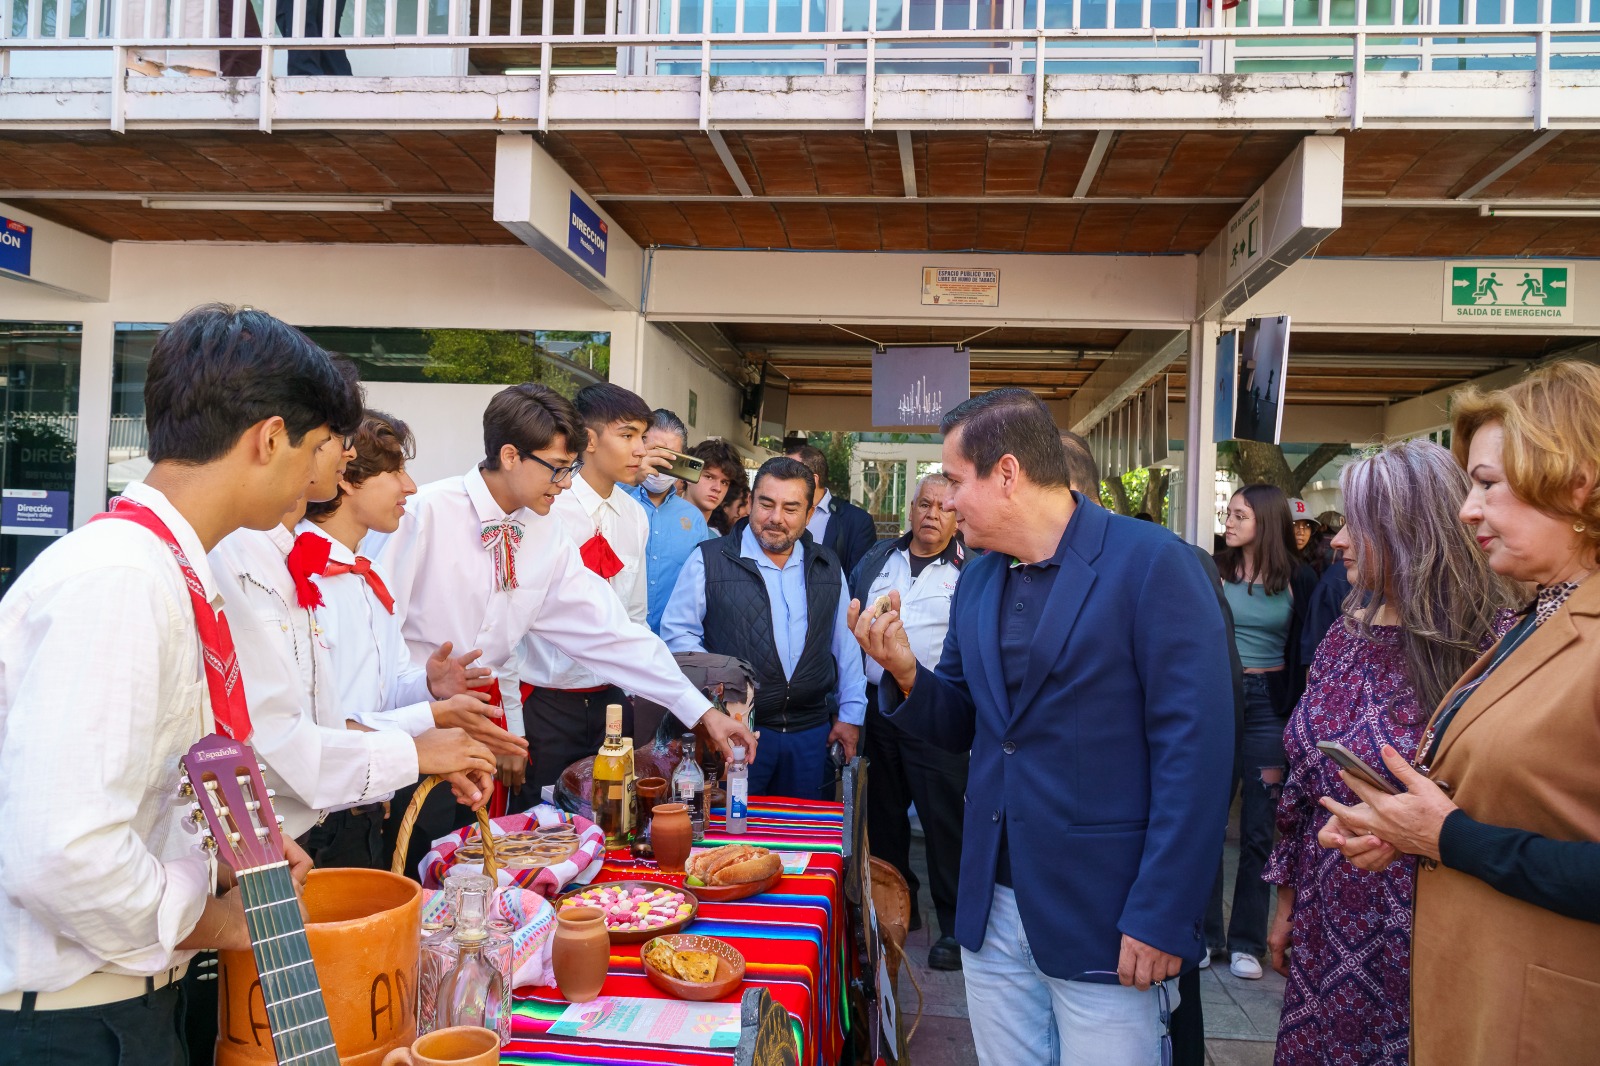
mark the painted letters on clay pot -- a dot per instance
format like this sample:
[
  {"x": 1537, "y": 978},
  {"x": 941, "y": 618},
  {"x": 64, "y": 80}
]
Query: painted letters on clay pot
[
  {"x": 671, "y": 836},
  {"x": 581, "y": 953},
  {"x": 363, "y": 927},
  {"x": 461, "y": 1045}
]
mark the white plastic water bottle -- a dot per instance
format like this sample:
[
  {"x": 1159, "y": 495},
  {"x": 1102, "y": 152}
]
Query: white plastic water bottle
[{"x": 738, "y": 793}]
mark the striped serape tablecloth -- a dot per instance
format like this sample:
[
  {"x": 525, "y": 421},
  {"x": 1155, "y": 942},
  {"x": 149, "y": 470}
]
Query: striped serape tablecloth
[{"x": 792, "y": 938}]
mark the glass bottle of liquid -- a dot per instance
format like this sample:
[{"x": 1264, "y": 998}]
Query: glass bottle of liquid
[
  {"x": 476, "y": 989},
  {"x": 438, "y": 951},
  {"x": 615, "y": 793},
  {"x": 689, "y": 786},
  {"x": 738, "y": 814}
]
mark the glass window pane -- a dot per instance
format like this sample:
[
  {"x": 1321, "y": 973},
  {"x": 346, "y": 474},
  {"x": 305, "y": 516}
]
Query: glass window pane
[{"x": 39, "y": 372}]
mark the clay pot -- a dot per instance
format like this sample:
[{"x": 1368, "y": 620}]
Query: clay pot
[
  {"x": 671, "y": 836},
  {"x": 363, "y": 927},
  {"x": 460, "y": 1045},
  {"x": 581, "y": 953}
]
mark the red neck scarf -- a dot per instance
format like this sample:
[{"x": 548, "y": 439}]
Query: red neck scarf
[
  {"x": 310, "y": 558},
  {"x": 228, "y": 704}
]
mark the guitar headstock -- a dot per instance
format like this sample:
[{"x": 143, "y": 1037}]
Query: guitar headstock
[{"x": 229, "y": 793}]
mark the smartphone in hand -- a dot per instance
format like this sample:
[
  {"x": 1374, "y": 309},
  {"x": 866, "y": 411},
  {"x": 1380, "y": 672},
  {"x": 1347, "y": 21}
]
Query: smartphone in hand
[
  {"x": 684, "y": 467},
  {"x": 1351, "y": 763}
]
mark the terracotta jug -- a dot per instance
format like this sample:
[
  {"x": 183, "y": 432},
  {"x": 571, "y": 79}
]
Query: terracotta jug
[
  {"x": 671, "y": 836},
  {"x": 581, "y": 953},
  {"x": 363, "y": 927},
  {"x": 460, "y": 1045}
]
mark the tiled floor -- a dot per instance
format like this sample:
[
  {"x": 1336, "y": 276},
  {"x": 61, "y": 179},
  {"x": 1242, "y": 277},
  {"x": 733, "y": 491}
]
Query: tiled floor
[{"x": 1241, "y": 1016}]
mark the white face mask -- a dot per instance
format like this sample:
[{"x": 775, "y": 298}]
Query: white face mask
[{"x": 656, "y": 484}]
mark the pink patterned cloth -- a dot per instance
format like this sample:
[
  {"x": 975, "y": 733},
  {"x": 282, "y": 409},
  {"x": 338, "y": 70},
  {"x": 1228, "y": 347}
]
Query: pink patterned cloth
[{"x": 547, "y": 881}]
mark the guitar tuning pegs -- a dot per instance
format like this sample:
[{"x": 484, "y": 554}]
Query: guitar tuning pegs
[
  {"x": 261, "y": 766},
  {"x": 194, "y": 821},
  {"x": 209, "y": 843},
  {"x": 271, "y": 794},
  {"x": 185, "y": 788},
  {"x": 279, "y": 820}
]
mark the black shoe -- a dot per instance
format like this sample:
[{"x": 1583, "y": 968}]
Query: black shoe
[
  {"x": 916, "y": 921},
  {"x": 945, "y": 954}
]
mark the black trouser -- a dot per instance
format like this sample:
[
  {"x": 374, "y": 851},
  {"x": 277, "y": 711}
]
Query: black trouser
[
  {"x": 302, "y": 61},
  {"x": 1259, "y": 773},
  {"x": 440, "y": 814},
  {"x": 564, "y": 727},
  {"x": 905, "y": 769},
  {"x": 348, "y": 838},
  {"x": 147, "y": 1030}
]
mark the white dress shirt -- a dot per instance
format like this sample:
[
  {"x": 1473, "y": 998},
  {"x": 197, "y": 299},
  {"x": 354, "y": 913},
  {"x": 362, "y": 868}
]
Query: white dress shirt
[
  {"x": 314, "y": 762},
  {"x": 101, "y": 692},
  {"x": 375, "y": 681},
  {"x": 924, "y": 604},
  {"x": 582, "y": 512},
  {"x": 818, "y": 525},
  {"x": 444, "y": 586}
]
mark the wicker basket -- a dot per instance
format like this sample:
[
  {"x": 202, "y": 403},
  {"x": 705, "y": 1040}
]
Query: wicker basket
[{"x": 409, "y": 822}]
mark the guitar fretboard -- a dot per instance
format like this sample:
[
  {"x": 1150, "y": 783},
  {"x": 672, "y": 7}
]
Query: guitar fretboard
[{"x": 296, "y": 1014}]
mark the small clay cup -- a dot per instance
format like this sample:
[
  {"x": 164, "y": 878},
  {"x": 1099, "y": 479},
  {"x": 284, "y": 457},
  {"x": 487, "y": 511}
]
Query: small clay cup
[
  {"x": 460, "y": 1045},
  {"x": 581, "y": 953},
  {"x": 651, "y": 790},
  {"x": 671, "y": 836}
]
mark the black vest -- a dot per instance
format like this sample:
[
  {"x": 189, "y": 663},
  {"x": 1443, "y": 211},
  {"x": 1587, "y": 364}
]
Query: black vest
[{"x": 738, "y": 622}]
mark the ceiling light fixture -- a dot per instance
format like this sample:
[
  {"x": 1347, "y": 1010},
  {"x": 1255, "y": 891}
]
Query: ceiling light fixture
[
  {"x": 223, "y": 203},
  {"x": 1496, "y": 211}
]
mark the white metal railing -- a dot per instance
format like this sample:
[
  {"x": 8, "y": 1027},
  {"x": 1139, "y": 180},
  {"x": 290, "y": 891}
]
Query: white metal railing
[{"x": 717, "y": 37}]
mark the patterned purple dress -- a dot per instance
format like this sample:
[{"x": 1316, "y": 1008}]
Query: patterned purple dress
[{"x": 1348, "y": 998}]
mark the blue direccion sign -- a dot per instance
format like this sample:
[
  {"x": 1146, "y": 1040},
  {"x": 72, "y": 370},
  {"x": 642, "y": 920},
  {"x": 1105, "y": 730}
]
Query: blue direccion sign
[
  {"x": 16, "y": 246},
  {"x": 34, "y": 512},
  {"x": 586, "y": 235}
]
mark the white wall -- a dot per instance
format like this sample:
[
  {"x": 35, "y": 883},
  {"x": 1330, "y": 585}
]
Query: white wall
[{"x": 668, "y": 375}]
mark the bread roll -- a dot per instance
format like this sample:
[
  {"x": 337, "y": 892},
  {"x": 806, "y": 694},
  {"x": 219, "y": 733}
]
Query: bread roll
[{"x": 757, "y": 867}]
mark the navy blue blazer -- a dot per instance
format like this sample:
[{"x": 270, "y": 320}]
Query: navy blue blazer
[
  {"x": 851, "y": 533},
  {"x": 1111, "y": 773}
]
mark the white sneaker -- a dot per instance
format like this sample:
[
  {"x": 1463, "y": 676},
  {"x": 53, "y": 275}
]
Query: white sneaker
[
  {"x": 1205, "y": 961},
  {"x": 1245, "y": 966}
]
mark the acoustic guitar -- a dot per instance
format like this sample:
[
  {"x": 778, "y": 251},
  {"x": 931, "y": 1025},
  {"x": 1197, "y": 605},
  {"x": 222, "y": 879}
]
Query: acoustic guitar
[{"x": 232, "y": 800}]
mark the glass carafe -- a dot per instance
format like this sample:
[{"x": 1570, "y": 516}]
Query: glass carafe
[{"x": 475, "y": 986}]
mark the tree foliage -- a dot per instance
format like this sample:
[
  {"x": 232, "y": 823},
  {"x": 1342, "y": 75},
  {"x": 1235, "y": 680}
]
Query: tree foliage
[
  {"x": 1255, "y": 462},
  {"x": 495, "y": 357}
]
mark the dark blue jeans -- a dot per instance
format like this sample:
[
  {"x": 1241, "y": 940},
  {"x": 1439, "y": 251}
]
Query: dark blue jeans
[
  {"x": 791, "y": 764},
  {"x": 1259, "y": 773}
]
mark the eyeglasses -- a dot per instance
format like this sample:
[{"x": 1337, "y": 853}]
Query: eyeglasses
[
  {"x": 557, "y": 473},
  {"x": 1164, "y": 1007}
]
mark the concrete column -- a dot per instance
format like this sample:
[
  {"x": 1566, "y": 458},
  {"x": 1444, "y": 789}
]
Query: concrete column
[
  {"x": 94, "y": 414},
  {"x": 1199, "y": 446}
]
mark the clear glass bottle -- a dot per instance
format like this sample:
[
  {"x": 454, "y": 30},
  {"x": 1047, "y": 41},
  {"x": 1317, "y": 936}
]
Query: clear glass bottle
[
  {"x": 615, "y": 792},
  {"x": 438, "y": 952},
  {"x": 689, "y": 786},
  {"x": 476, "y": 987},
  {"x": 738, "y": 811}
]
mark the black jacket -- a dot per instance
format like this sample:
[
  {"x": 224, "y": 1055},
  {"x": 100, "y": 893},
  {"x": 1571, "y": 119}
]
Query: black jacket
[
  {"x": 850, "y": 533},
  {"x": 738, "y": 622}
]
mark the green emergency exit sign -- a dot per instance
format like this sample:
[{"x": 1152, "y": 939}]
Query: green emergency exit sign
[{"x": 1508, "y": 292}]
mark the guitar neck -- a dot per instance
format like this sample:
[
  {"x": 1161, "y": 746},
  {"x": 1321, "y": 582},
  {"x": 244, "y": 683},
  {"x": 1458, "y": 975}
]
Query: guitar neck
[{"x": 296, "y": 1014}]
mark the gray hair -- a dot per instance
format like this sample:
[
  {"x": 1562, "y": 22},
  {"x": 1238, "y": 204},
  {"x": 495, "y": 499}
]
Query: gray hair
[
  {"x": 668, "y": 422},
  {"x": 1413, "y": 554},
  {"x": 934, "y": 478}
]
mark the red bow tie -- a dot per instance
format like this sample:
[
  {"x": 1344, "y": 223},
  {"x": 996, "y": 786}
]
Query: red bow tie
[
  {"x": 309, "y": 558},
  {"x": 598, "y": 556},
  {"x": 363, "y": 567}
]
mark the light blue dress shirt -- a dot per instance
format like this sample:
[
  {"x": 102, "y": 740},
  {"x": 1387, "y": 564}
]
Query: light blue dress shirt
[
  {"x": 683, "y": 623},
  {"x": 675, "y": 528}
]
